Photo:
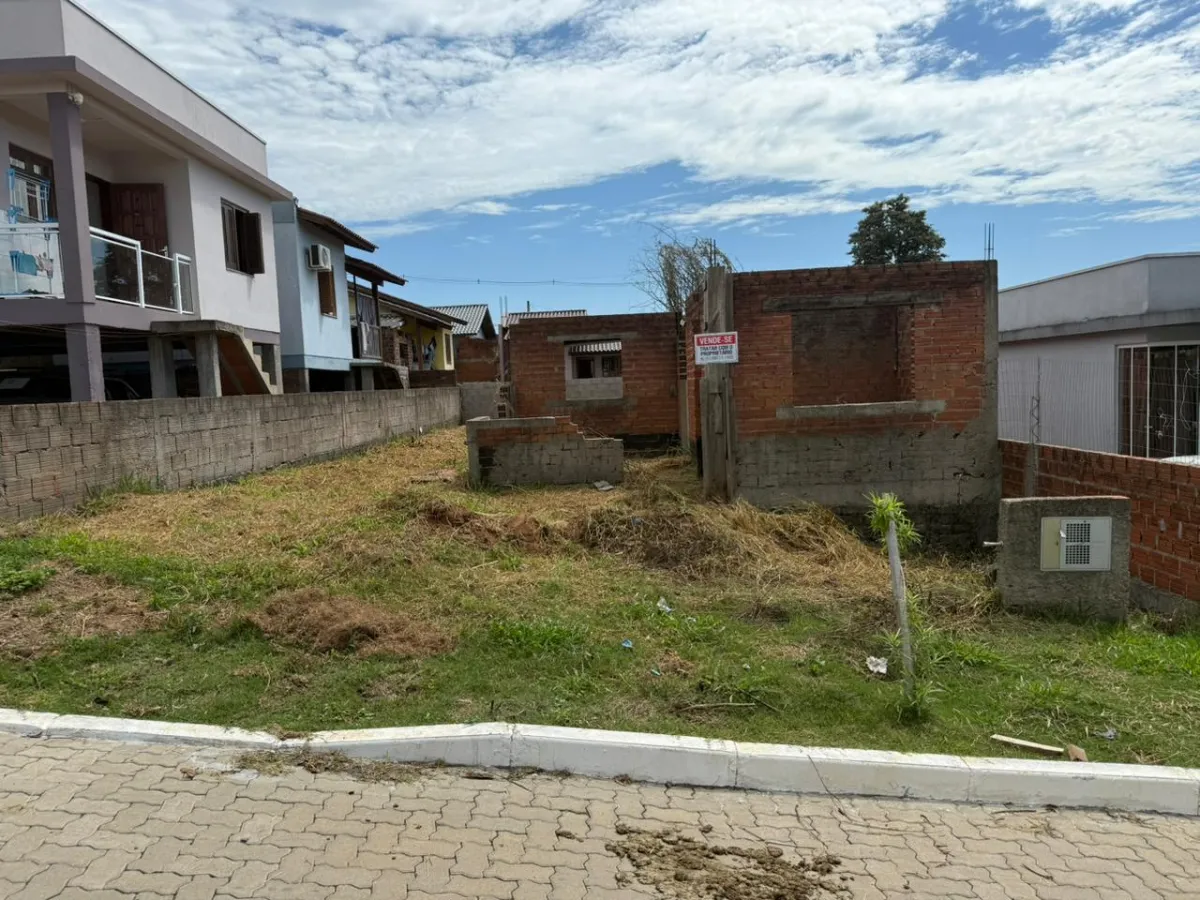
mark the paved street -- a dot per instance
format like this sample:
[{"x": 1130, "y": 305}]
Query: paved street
[{"x": 107, "y": 820}]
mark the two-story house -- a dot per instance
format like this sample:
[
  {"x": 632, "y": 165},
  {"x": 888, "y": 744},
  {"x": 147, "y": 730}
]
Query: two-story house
[{"x": 135, "y": 217}]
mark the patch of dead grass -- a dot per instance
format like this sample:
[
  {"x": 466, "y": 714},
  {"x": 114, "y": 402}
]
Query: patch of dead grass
[
  {"x": 268, "y": 762},
  {"x": 524, "y": 531},
  {"x": 313, "y": 619},
  {"x": 262, "y": 517},
  {"x": 72, "y": 604}
]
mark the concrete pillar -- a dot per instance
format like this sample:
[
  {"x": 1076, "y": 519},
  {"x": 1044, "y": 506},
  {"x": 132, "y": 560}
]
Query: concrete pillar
[
  {"x": 70, "y": 190},
  {"x": 351, "y": 381},
  {"x": 85, "y": 362},
  {"x": 368, "y": 379},
  {"x": 208, "y": 365},
  {"x": 162, "y": 368}
]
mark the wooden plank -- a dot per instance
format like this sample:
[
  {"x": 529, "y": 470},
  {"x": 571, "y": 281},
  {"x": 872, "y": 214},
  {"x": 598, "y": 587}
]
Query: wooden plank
[{"x": 1044, "y": 749}]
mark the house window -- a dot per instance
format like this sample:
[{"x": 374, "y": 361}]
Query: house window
[
  {"x": 448, "y": 340},
  {"x": 32, "y": 185},
  {"x": 595, "y": 359},
  {"x": 327, "y": 288},
  {"x": 1159, "y": 400},
  {"x": 243, "y": 239}
]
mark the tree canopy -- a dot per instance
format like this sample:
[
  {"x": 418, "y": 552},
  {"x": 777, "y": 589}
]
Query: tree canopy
[{"x": 890, "y": 232}]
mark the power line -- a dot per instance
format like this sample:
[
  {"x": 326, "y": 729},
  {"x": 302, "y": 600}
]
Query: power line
[{"x": 553, "y": 282}]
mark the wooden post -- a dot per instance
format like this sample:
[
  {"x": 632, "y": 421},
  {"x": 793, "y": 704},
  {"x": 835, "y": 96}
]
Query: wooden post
[
  {"x": 717, "y": 412},
  {"x": 900, "y": 593}
]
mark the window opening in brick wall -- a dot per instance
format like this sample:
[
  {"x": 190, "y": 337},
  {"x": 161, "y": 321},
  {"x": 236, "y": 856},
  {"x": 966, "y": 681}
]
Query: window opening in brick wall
[
  {"x": 1158, "y": 400},
  {"x": 595, "y": 359}
]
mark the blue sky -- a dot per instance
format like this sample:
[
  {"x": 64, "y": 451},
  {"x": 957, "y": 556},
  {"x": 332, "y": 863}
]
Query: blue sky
[{"x": 530, "y": 140}]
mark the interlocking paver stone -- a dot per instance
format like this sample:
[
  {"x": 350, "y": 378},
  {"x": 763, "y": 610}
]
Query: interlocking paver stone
[{"x": 104, "y": 821}]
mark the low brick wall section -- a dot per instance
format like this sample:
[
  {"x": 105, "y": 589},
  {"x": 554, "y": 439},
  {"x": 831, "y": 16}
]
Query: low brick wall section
[
  {"x": 476, "y": 359},
  {"x": 432, "y": 378},
  {"x": 480, "y": 399},
  {"x": 545, "y": 450},
  {"x": 1165, "y": 520},
  {"x": 53, "y": 455}
]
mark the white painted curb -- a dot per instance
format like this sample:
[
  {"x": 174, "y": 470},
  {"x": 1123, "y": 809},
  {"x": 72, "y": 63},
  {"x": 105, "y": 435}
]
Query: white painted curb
[{"x": 700, "y": 762}]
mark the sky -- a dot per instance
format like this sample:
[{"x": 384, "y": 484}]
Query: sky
[{"x": 483, "y": 141}]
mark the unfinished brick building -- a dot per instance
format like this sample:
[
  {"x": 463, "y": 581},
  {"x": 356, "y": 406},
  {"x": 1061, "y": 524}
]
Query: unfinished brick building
[
  {"x": 851, "y": 380},
  {"x": 616, "y": 376}
]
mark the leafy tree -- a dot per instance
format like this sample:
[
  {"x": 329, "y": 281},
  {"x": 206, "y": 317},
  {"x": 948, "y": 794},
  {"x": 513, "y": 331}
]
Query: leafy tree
[
  {"x": 891, "y": 232},
  {"x": 669, "y": 270}
]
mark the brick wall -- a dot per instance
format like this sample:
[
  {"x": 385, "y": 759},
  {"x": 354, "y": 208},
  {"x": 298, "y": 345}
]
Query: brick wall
[
  {"x": 543, "y": 450},
  {"x": 1165, "y": 523},
  {"x": 476, "y": 359},
  {"x": 54, "y": 454},
  {"x": 432, "y": 378},
  {"x": 920, "y": 341},
  {"x": 648, "y": 410}
]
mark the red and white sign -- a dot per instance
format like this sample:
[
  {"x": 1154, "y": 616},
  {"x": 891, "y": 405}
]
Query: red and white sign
[{"x": 716, "y": 349}]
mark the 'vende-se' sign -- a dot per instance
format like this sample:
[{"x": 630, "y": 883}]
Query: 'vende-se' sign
[{"x": 718, "y": 348}]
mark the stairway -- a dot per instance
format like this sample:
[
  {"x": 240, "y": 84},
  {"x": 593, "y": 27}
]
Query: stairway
[{"x": 241, "y": 372}]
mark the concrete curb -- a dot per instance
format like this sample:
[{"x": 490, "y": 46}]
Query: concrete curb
[{"x": 700, "y": 762}]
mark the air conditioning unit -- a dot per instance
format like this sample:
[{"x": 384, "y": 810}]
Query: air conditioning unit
[
  {"x": 319, "y": 258},
  {"x": 1081, "y": 545}
]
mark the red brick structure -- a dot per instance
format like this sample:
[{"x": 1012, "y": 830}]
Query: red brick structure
[
  {"x": 867, "y": 378},
  {"x": 631, "y": 389},
  {"x": 476, "y": 359},
  {"x": 1165, "y": 534}
]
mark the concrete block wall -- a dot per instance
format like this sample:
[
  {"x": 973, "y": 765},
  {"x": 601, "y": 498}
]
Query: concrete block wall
[
  {"x": 480, "y": 399},
  {"x": 868, "y": 378},
  {"x": 53, "y": 455},
  {"x": 1165, "y": 516},
  {"x": 541, "y": 450},
  {"x": 476, "y": 359},
  {"x": 1025, "y": 586},
  {"x": 647, "y": 409},
  {"x": 432, "y": 378}
]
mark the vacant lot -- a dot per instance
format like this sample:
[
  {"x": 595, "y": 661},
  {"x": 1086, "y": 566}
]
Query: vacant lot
[{"x": 379, "y": 590}]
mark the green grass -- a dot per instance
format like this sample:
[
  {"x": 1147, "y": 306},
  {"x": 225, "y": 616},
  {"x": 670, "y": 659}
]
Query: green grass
[{"x": 773, "y": 651}]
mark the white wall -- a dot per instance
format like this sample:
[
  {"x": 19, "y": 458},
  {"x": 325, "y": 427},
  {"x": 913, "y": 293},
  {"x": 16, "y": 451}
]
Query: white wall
[
  {"x": 251, "y": 301},
  {"x": 109, "y": 53},
  {"x": 30, "y": 28},
  {"x": 1078, "y": 389},
  {"x": 1122, "y": 290}
]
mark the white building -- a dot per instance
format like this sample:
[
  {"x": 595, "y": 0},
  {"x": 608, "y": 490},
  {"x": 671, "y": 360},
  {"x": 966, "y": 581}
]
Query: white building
[
  {"x": 133, "y": 206},
  {"x": 1105, "y": 359}
]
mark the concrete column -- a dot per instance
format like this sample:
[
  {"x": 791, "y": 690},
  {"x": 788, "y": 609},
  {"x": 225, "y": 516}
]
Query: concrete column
[
  {"x": 351, "y": 381},
  {"x": 70, "y": 191},
  {"x": 85, "y": 362},
  {"x": 162, "y": 368},
  {"x": 295, "y": 381},
  {"x": 208, "y": 365},
  {"x": 368, "y": 379}
]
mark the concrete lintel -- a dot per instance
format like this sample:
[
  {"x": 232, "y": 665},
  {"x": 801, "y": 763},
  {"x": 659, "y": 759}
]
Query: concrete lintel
[
  {"x": 863, "y": 410},
  {"x": 592, "y": 337},
  {"x": 833, "y": 302},
  {"x": 1137, "y": 322},
  {"x": 197, "y": 326},
  {"x": 531, "y": 422}
]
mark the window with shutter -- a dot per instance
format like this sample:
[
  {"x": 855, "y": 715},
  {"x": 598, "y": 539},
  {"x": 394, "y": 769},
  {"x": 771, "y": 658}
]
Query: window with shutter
[
  {"x": 242, "y": 231},
  {"x": 326, "y": 288}
]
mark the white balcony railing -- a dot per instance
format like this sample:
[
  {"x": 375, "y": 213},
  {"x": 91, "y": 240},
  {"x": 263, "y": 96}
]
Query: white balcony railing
[{"x": 122, "y": 272}]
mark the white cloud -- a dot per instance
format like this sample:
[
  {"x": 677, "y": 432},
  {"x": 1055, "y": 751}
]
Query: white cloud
[
  {"x": 484, "y": 208},
  {"x": 384, "y": 110},
  {"x": 1072, "y": 231},
  {"x": 1166, "y": 213}
]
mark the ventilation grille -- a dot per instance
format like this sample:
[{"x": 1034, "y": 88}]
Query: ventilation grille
[
  {"x": 1077, "y": 532},
  {"x": 1077, "y": 555}
]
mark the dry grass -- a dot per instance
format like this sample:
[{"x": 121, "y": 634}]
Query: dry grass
[
  {"x": 268, "y": 762},
  {"x": 314, "y": 620},
  {"x": 271, "y": 515},
  {"x": 72, "y": 605}
]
